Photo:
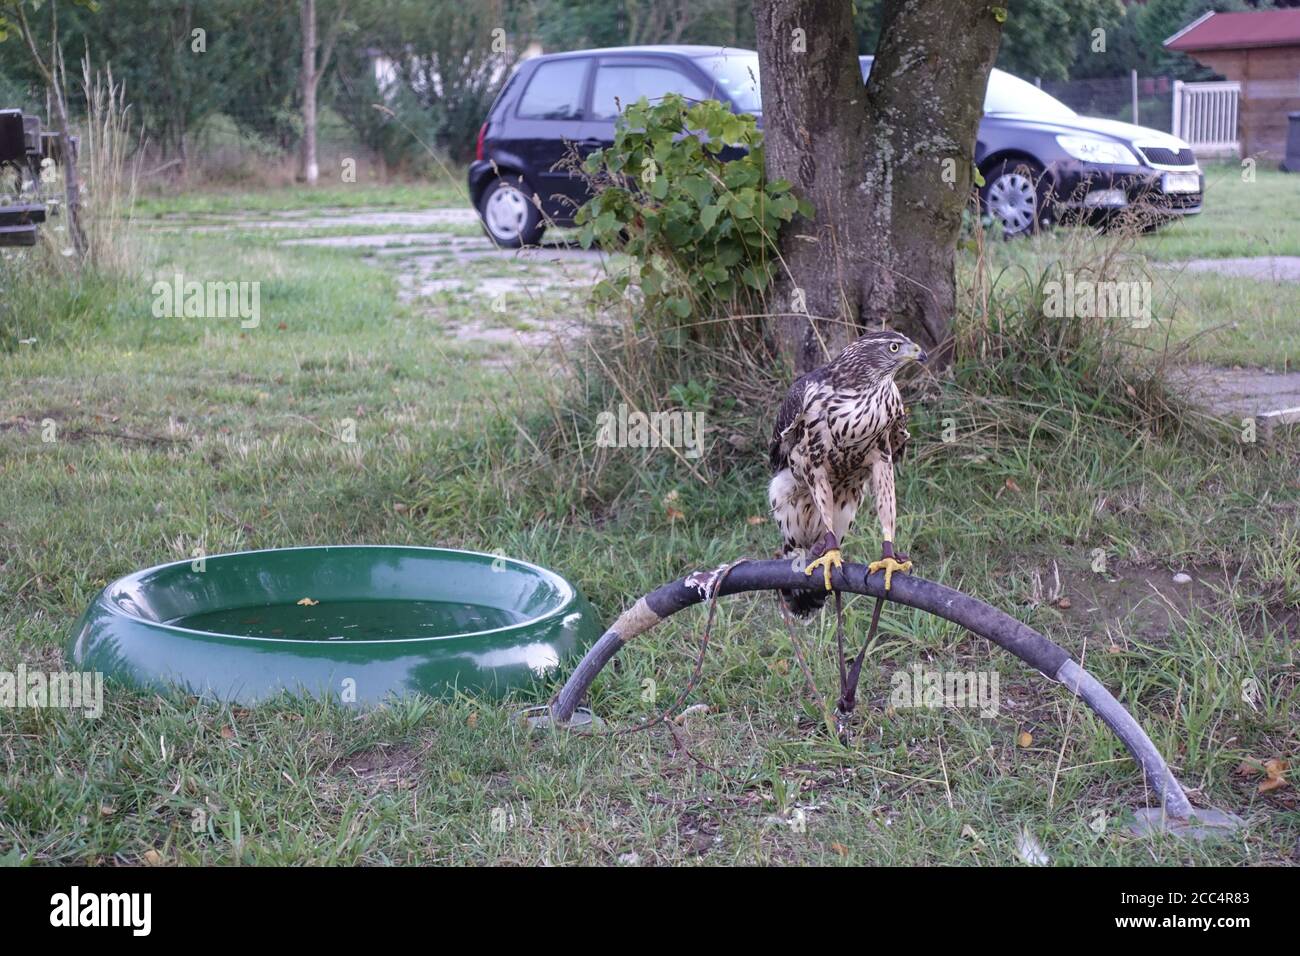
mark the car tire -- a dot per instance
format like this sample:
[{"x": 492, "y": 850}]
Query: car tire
[
  {"x": 508, "y": 214},
  {"x": 1015, "y": 193}
]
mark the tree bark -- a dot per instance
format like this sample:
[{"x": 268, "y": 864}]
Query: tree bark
[
  {"x": 308, "y": 170},
  {"x": 309, "y": 79},
  {"x": 887, "y": 169}
]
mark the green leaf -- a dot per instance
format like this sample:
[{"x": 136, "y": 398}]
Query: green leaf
[
  {"x": 729, "y": 254},
  {"x": 702, "y": 233},
  {"x": 698, "y": 188},
  {"x": 740, "y": 208}
]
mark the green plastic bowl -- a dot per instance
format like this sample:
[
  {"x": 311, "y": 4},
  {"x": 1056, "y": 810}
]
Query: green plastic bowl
[{"x": 357, "y": 623}]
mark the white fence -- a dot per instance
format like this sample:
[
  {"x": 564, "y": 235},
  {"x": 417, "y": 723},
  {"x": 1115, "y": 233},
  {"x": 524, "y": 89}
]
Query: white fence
[{"x": 1205, "y": 115}]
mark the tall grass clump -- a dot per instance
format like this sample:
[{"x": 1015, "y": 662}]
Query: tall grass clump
[
  {"x": 111, "y": 173},
  {"x": 1062, "y": 341},
  {"x": 50, "y": 297}
]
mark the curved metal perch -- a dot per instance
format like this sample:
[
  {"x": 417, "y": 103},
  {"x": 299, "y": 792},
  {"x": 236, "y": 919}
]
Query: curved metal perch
[{"x": 976, "y": 616}]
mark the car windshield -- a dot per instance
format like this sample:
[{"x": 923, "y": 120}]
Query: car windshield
[
  {"x": 735, "y": 74},
  {"x": 1009, "y": 94}
]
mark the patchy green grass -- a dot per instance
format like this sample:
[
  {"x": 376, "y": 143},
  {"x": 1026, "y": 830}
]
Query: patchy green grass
[
  {"x": 1221, "y": 318},
  {"x": 1241, "y": 217},
  {"x": 442, "y": 192},
  {"x": 172, "y": 434},
  {"x": 1200, "y": 316},
  {"x": 1225, "y": 320}
]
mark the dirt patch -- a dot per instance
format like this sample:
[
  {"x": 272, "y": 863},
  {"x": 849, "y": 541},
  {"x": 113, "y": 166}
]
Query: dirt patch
[
  {"x": 394, "y": 241},
  {"x": 1151, "y": 602},
  {"x": 381, "y": 768},
  {"x": 22, "y": 424},
  {"x": 1147, "y": 603},
  {"x": 1238, "y": 392},
  {"x": 1264, "y": 268}
]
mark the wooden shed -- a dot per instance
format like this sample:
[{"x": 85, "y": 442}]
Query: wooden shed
[{"x": 1259, "y": 51}]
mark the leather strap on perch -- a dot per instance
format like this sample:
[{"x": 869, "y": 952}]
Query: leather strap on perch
[{"x": 974, "y": 615}]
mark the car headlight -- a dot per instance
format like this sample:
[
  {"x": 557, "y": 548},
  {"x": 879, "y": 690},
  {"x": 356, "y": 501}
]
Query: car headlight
[{"x": 1097, "y": 150}]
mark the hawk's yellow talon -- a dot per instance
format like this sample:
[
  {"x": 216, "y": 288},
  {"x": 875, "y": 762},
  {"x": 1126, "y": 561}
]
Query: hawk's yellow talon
[
  {"x": 889, "y": 566},
  {"x": 831, "y": 557}
]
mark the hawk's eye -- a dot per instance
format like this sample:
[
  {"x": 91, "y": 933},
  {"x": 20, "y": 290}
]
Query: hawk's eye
[{"x": 893, "y": 347}]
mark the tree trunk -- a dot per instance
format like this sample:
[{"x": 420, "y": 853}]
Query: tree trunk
[
  {"x": 888, "y": 169},
  {"x": 308, "y": 171},
  {"x": 71, "y": 175}
]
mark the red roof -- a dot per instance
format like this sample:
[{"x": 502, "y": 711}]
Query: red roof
[{"x": 1231, "y": 31}]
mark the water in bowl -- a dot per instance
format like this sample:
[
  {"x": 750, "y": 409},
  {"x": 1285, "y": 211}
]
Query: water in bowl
[{"x": 351, "y": 620}]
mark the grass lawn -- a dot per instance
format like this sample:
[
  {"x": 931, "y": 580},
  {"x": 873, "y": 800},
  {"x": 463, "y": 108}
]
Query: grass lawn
[
  {"x": 1222, "y": 318},
  {"x": 176, "y": 434},
  {"x": 1242, "y": 217},
  {"x": 445, "y": 191}
]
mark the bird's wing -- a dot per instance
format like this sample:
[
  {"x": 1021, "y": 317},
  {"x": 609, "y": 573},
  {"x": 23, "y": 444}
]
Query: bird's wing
[
  {"x": 899, "y": 436},
  {"x": 790, "y": 420}
]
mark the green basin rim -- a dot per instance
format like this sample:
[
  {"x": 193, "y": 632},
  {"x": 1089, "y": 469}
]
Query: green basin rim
[
  {"x": 566, "y": 590},
  {"x": 128, "y": 632}
]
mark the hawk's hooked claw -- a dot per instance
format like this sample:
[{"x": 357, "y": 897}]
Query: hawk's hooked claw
[
  {"x": 830, "y": 557},
  {"x": 889, "y": 566}
]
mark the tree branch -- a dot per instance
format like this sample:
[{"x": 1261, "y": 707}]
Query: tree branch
[
  {"x": 331, "y": 37},
  {"x": 25, "y": 29}
]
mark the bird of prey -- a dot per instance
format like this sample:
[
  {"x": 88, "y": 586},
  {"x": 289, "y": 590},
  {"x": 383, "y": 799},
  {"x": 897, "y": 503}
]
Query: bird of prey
[{"x": 840, "y": 427}]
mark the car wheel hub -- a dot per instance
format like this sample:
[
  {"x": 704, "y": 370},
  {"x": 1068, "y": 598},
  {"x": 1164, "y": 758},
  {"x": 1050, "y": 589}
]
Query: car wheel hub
[
  {"x": 507, "y": 212},
  {"x": 1013, "y": 200}
]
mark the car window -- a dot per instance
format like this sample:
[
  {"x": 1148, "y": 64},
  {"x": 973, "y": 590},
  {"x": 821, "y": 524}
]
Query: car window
[
  {"x": 555, "y": 91},
  {"x": 619, "y": 85},
  {"x": 735, "y": 75}
]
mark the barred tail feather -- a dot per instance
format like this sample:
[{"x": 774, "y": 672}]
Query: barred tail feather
[{"x": 805, "y": 602}]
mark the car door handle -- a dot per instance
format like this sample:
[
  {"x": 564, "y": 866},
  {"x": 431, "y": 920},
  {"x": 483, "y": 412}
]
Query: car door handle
[{"x": 591, "y": 143}]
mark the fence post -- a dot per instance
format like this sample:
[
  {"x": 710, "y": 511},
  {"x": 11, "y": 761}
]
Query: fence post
[
  {"x": 1177, "y": 108},
  {"x": 1133, "y": 79}
]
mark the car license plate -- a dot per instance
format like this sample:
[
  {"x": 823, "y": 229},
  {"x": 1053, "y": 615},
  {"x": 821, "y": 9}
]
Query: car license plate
[{"x": 1182, "y": 182}]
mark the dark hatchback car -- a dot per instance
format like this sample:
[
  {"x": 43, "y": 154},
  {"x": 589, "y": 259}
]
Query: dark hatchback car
[{"x": 1039, "y": 159}]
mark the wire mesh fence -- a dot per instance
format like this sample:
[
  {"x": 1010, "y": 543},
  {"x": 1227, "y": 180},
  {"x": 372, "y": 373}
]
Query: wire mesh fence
[{"x": 1113, "y": 97}]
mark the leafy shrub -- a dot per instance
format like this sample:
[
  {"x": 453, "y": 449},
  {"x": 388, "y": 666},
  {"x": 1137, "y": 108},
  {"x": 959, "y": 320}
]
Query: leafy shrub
[{"x": 682, "y": 191}]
